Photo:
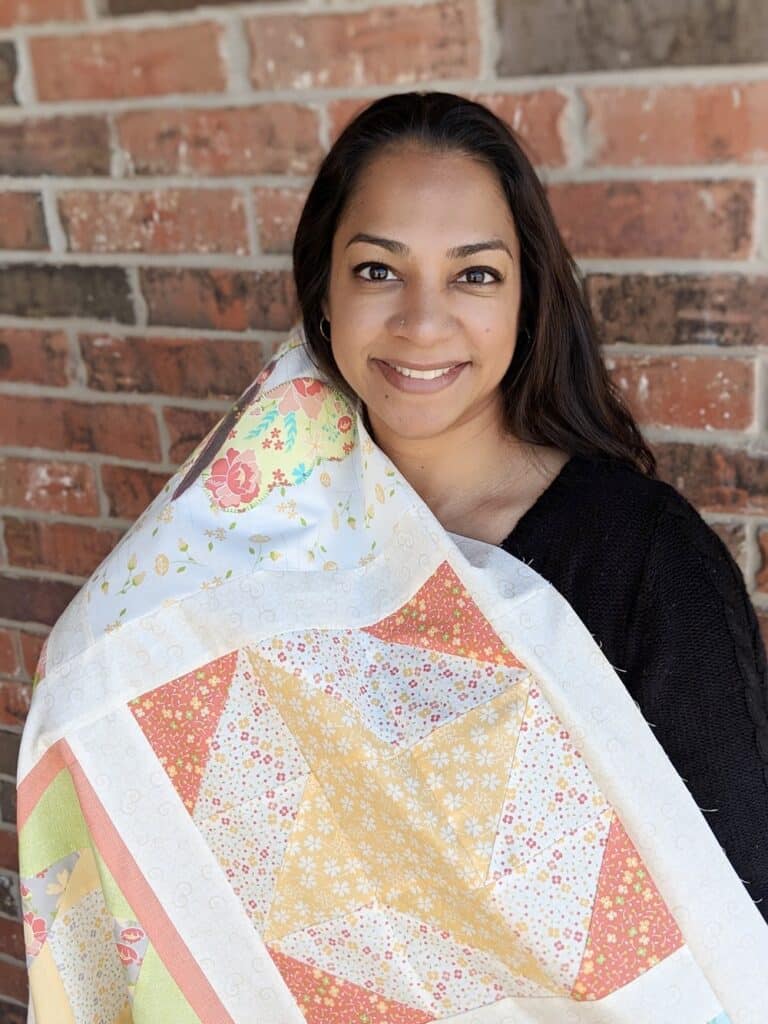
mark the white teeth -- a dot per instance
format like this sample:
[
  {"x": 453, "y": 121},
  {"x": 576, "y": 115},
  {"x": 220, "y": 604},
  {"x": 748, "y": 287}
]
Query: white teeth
[{"x": 420, "y": 374}]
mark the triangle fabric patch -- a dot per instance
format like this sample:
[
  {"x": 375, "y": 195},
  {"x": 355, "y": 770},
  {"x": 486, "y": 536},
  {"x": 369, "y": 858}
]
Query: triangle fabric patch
[
  {"x": 631, "y": 928},
  {"x": 442, "y": 616},
  {"x": 180, "y": 717},
  {"x": 325, "y": 999}
]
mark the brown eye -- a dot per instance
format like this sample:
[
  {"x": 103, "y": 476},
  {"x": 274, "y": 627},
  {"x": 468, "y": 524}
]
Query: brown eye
[{"x": 483, "y": 270}]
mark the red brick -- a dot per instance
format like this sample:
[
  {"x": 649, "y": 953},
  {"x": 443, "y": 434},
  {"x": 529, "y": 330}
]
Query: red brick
[
  {"x": 15, "y": 696},
  {"x": 26, "y": 599},
  {"x": 716, "y": 479},
  {"x": 682, "y": 124},
  {"x": 162, "y": 221},
  {"x": 761, "y": 579},
  {"x": 129, "y": 431},
  {"x": 55, "y": 145},
  {"x": 9, "y": 850},
  {"x": 70, "y": 548},
  {"x": 9, "y": 662},
  {"x": 187, "y": 427},
  {"x": 22, "y": 225},
  {"x": 13, "y": 981},
  {"x": 225, "y": 300},
  {"x": 28, "y": 12},
  {"x": 31, "y": 646},
  {"x": 687, "y": 391},
  {"x": 277, "y": 214},
  {"x": 350, "y": 48},
  {"x": 196, "y": 368},
  {"x": 680, "y": 309},
  {"x": 68, "y": 487},
  {"x": 12, "y": 938},
  {"x": 114, "y": 65},
  {"x": 273, "y": 138},
  {"x": 734, "y": 536},
  {"x": 37, "y": 357},
  {"x": 677, "y": 219},
  {"x": 130, "y": 490}
]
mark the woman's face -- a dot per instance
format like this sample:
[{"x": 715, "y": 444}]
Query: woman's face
[{"x": 457, "y": 307}]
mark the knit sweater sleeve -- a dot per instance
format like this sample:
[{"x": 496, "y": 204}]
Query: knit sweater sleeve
[{"x": 698, "y": 666}]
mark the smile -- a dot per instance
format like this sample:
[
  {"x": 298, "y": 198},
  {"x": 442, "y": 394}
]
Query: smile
[{"x": 412, "y": 381}]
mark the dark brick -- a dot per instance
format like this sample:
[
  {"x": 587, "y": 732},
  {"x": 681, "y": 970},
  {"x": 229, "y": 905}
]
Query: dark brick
[
  {"x": 8, "y": 801},
  {"x": 56, "y": 145},
  {"x": 23, "y": 599},
  {"x": 220, "y": 299},
  {"x": 139, "y": 6},
  {"x": 98, "y": 293},
  {"x": 186, "y": 427},
  {"x": 199, "y": 368},
  {"x": 10, "y": 897},
  {"x": 73, "y": 548},
  {"x": 8, "y": 69},
  {"x": 130, "y": 490},
  {"x": 716, "y": 479},
  {"x": 680, "y": 309},
  {"x": 11, "y": 941},
  {"x": 9, "y": 752},
  {"x": 9, "y": 851},
  {"x": 557, "y": 36},
  {"x": 11, "y": 1014}
]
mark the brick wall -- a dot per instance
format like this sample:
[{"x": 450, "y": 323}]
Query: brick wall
[{"x": 153, "y": 160}]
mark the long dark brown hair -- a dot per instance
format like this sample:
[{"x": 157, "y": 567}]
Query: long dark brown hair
[{"x": 556, "y": 390}]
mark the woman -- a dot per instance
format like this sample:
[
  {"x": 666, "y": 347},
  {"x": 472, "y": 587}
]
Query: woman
[{"x": 408, "y": 787}]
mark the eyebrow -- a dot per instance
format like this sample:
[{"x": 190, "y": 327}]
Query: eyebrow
[{"x": 456, "y": 253}]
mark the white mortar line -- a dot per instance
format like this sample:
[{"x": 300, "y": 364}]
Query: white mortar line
[
  {"x": 235, "y": 55},
  {"x": 572, "y": 125},
  {"x": 140, "y": 309},
  {"x": 57, "y": 238},
  {"x": 84, "y": 324},
  {"x": 489, "y": 38},
  {"x": 24, "y": 85}
]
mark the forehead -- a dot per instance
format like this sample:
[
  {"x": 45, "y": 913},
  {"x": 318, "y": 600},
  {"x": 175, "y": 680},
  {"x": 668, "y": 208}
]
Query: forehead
[{"x": 440, "y": 193}]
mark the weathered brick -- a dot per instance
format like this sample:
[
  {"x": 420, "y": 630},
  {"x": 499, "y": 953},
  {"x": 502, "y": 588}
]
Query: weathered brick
[
  {"x": 148, "y": 62},
  {"x": 11, "y": 939},
  {"x": 48, "y": 486},
  {"x": 130, "y": 490},
  {"x": 22, "y": 224},
  {"x": 55, "y": 145},
  {"x": 680, "y": 309},
  {"x": 703, "y": 392},
  {"x": 9, "y": 849},
  {"x": 14, "y": 703},
  {"x": 14, "y": 981},
  {"x": 40, "y": 357},
  {"x": 557, "y": 36},
  {"x": 9, "y": 662},
  {"x": 31, "y": 647},
  {"x": 761, "y": 578},
  {"x": 158, "y": 221},
  {"x": 716, "y": 479},
  {"x": 195, "y": 368},
  {"x": 678, "y": 124},
  {"x": 10, "y": 1013},
  {"x": 8, "y": 801},
  {"x": 186, "y": 427},
  {"x": 356, "y": 48},
  {"x": 273, "y": 138},
  {"x": 277, "y": 214},
  {"x": 57, "y": 547},
  {"x": 99, "y": 293},
  {"x": 28, "y": 12},
  {"x": 9, "y": 752},
  {"x": 227, "y": 300},
  {"x": 128, "y": 431},
  {"x": 8, "y": 69},
  {"x": 675, "y": 219},
  {"x": 24, "y": 599}
]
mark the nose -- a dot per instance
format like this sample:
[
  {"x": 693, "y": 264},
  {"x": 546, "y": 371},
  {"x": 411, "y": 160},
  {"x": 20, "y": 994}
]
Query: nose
[{"x": 423, "y": 315}]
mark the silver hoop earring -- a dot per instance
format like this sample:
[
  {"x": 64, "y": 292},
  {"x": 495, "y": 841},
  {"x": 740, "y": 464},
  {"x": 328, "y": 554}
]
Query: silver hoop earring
[{"x": 323, "y": 320}]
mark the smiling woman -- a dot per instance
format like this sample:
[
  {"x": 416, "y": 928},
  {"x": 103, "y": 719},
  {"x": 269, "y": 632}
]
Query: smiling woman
[{"x": 366, "y": 754}]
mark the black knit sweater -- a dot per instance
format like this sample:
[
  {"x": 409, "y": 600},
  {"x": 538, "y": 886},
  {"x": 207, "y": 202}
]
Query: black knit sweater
[{"x": 665, "y": 601}]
